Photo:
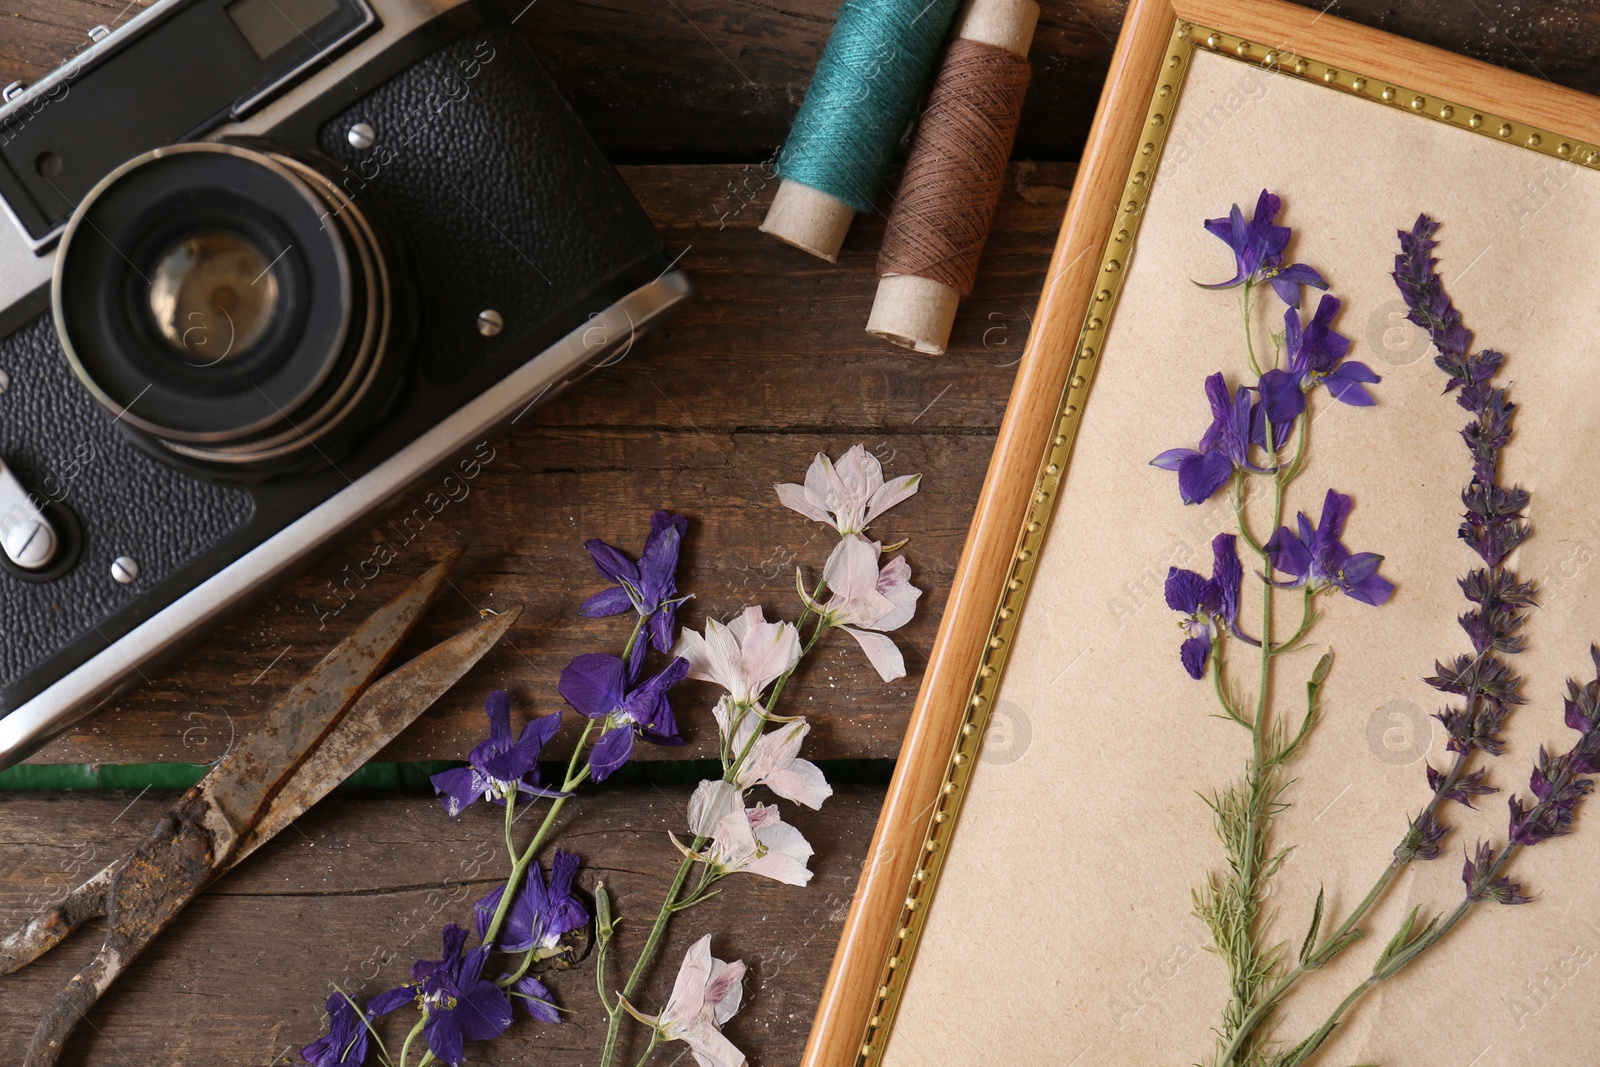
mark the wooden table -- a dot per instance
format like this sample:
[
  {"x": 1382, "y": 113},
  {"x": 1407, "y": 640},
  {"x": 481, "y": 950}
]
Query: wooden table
[{"x": 768, "y": 366}]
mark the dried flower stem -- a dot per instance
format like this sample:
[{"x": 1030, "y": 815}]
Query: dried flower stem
[{"x": 1231, "y": 906}]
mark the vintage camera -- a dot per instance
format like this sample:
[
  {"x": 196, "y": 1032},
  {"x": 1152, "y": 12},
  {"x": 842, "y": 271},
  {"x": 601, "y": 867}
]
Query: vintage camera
[{"x": 266, "y": 265}]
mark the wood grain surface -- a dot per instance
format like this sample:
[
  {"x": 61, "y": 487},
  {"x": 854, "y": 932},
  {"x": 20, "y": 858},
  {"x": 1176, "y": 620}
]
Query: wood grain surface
[
  {"x": 767, "y": 366},
  {"x": 359, "y": 888}
]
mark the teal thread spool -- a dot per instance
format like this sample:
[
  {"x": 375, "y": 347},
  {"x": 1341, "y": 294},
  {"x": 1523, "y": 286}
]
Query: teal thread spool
[{"x": 873, "y": 71}]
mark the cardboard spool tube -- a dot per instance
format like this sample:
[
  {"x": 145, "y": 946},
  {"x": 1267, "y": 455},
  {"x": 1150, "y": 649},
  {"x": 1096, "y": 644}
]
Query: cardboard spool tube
[
  {"x": 809, "y": 219},
  {"x": 918, "y": 313}
]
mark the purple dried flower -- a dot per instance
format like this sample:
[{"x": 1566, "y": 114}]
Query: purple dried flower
[
  {"x": 540, "y": 915},
  {"x": 597, "y": 686},
  {"x": 499, "y": 766},
  {"x": 1315, "y": 355},
  {"x": 1476, "y": 874},
  {"x": 1556, "y": 781},
  {"x": 1317, "y": 557},
  {"x": 458, "y": 1002},
  {"x": 1224, "y": 447},
  {"x": 649, "y": 587},
  {"x": 1207, "y": 603},
  {"x": 1465, "y": 788},
  {"x": 1258, "y": 247},
  {"x": 345, "y": 1043},
  {"x": 1422, "y": 839}
]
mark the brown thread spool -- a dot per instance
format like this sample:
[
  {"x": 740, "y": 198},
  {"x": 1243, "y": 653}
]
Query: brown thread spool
[{"x": 953, "y": 178}]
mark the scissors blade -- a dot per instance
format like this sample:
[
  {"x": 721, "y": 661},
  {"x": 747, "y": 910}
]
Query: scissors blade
[
  {"x": 241, "y": 785},
  {"x": 383, "y": 711}
]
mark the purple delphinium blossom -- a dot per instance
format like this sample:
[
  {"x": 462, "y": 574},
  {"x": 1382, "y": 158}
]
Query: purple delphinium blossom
[
  {"x": 1207, "y": 603},
  {"x": 1317, "y": 557},
  {"x": 1224, "y": 448},
  {"x": 345, "y": 1043},
  {"x": 1494, "y": 522},
  {"x": 1315, "y": 356},
  {"x": 540, "y": 915},
  {"x": 1258, "y": 247},
  {"x": 649, "y": 587},
  {"x": 457, "y": 1001},
  {"x": 597, "y": 686},
  {"x": 499, "y": 766}
]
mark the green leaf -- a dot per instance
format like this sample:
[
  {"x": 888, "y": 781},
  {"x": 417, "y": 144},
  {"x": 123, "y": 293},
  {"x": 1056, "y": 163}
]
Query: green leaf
[
  {"x": 1311, "y": 934},
  {"x": 1333, "y": 948}
]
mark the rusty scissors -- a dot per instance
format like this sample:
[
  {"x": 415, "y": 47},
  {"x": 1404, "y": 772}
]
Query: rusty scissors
[{"x": 331, "y": 722}]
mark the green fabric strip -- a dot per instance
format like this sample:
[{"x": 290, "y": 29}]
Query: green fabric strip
[{"x": 405, "y": 778}]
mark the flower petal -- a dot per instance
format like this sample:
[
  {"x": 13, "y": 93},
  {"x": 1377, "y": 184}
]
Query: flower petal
[
  {"x": 795, "y": 498},
  {"x": 610, "y": 752},
  {"x": 1281, "y": 396},
  {"x": 535, "y": 998},
  {"x": 1172, "y": 458},
  {"x": 689, "y": 988},
  {"x": 1194, "y": 652},
  {"x": 612, "y": 563},
  {"x": 1185, "y": 590},
  {"x": 710, "y": 803},
  {"x": 593, "y": 684},
  {"x": 892, "y": 493},
  {"x": 612, "y": 601},
  {"x": 1200, "y": 476},
  {"x": 881, "y": 651},
  {"x": 458, "y": 789},
  {"x": 394, "y": 999}
]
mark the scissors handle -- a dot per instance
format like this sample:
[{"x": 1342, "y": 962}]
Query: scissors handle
[
  {"x": 46, "y": 929},
  {"x": 142, "y": 893}
]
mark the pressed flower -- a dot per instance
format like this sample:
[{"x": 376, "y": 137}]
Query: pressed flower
[
  {"x": 649, "y": 587},
  {"x": 849, "y": 494},
  {"x": 867, "y": 601},
  {"x": 1558, "y": 782},
  {"x": 346, "y": 1039},
  {"x": 458, "y": 1004},
  {"x": 499, "y": 766},
  {"x": 1258, "y": 247},
  {"x": 754, "y": 840},
  {"x": 706, "y": 995},
  {"x": 1315, "y": 356},
  {"x": 773, "y": 758},
  {"x": 1207, "y": 603},
  {"x": 1318, "y": 558},
  {"x": 743, "y": 657},
  {"x": 1224, "y": 447},
  {"x": 540, "y": 915},
  {"x": 597, "y": 686}
]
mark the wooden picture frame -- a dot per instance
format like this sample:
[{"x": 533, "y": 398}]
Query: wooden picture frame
[{"x": 986, "y": 604}]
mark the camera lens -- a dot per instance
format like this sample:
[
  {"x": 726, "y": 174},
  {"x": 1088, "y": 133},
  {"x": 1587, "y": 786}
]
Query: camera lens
[
  {"x": 230, "y": 304},
  {"x": 212, "y": 296}
]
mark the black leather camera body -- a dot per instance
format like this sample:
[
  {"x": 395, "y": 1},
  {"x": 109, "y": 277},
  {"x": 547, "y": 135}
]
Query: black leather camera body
[{"x": 265, "y": 266}]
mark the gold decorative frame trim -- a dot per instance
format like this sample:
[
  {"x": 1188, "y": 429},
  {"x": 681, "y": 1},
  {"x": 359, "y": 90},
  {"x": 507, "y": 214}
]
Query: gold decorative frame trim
[{"x": 1186, "y": 39}]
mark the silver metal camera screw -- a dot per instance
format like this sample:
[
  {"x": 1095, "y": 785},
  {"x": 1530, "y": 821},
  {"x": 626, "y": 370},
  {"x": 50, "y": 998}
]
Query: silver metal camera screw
[
  {"x": 30, "y": 544},
  {"x": 361, "y": 136},
  {"x": 99, "y": 33},
  {"x": 490, "y": 322},
  {"x": 125, "y": 569},
  {"x": 12, "y": 91},
  {"x": 5, "y": 382}
]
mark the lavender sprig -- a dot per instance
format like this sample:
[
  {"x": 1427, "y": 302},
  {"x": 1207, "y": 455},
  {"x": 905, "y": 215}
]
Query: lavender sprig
[
  {"x": 1494, "y": 524},
  {"x": 1560, "y": 786}
]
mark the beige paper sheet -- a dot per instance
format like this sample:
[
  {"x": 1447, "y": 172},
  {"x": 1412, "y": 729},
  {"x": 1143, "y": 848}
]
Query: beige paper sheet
[{"x": 1061, "y": 930}]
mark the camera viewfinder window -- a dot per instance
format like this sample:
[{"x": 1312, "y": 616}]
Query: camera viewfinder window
[{"x": 268, "y": 25}]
